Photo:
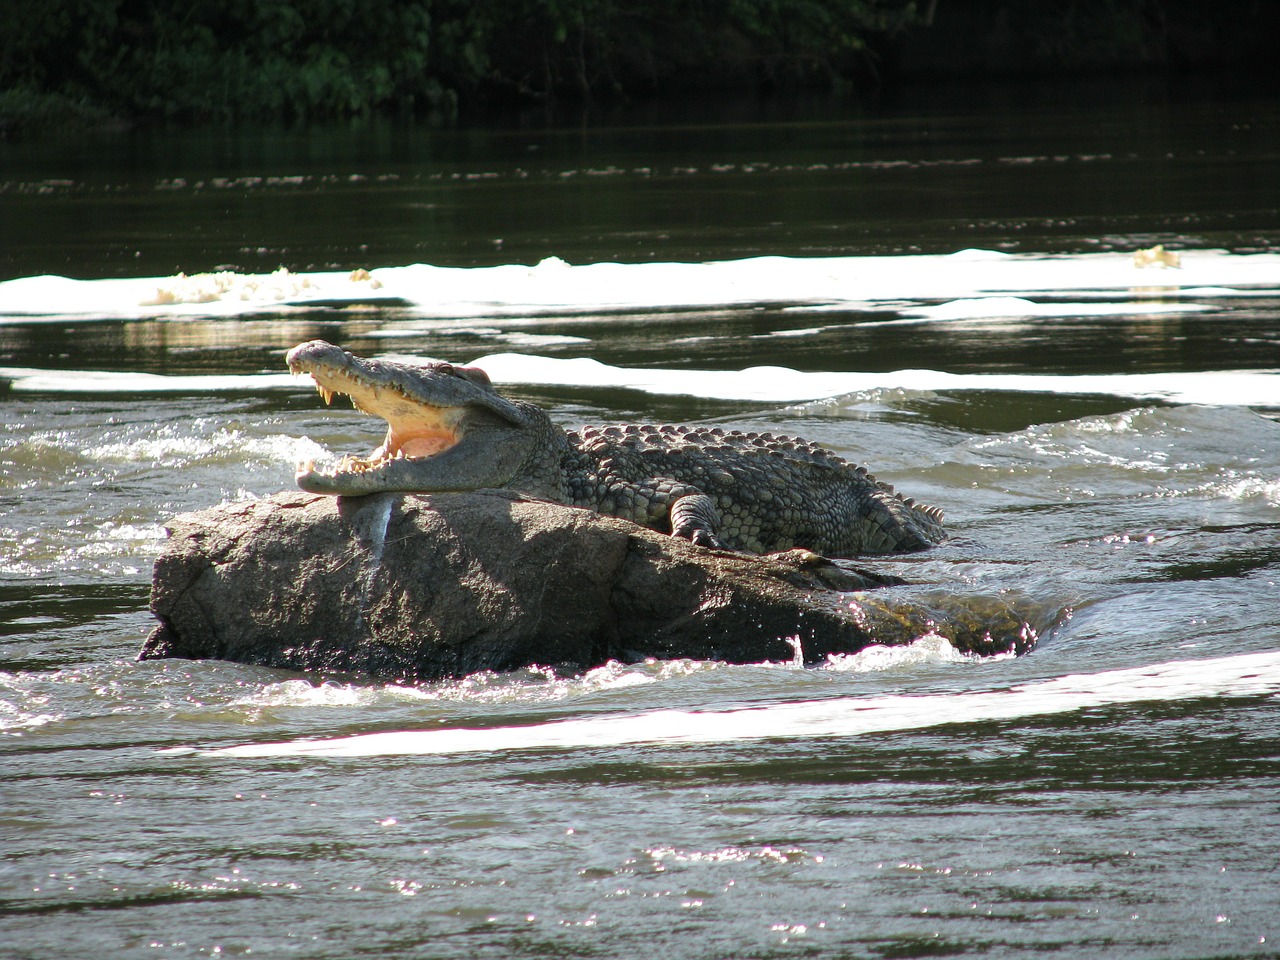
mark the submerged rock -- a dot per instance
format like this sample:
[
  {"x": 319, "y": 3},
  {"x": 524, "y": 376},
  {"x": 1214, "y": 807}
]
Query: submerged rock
[{"x": 413, "y": 587}]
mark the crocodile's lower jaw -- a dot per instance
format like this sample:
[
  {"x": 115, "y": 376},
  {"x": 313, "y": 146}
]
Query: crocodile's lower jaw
[
  {"x": 405, "y": 444},
  {"x": 347, "y": 466},
  {"x": 349, "y": 475}
]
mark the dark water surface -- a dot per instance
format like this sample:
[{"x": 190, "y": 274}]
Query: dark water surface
[
  {"x": 1150, "y": 529},
  {"x": 1083, "y": 169}
]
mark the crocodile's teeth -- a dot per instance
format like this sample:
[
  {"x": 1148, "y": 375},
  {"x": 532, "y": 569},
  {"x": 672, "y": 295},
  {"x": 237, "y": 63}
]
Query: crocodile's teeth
[
  {"x": 305, "y": 466},
  {"x": 325, "y": 392}
]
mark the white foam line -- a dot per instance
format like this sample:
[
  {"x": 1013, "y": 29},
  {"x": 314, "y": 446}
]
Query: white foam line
[
  {"x": 1002, "y": 308},
  {"x": 1256, "y": 388},
  {"x": 785, "y": 385},
  {"x": 553, "y": 284},
  {"x": 34, "y": 380},
  {"x": 1238, "y": 676}
]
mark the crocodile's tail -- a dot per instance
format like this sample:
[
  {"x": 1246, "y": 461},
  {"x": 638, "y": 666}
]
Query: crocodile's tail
[
  {"x": 891, "y": 523},
  {"x": 929, "y": 519},
  {"x": 910, "y": 525}
]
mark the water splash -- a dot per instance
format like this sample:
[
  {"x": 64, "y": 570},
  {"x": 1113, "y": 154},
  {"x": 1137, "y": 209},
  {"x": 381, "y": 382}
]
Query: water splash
[{"x": 877, "y": 658}]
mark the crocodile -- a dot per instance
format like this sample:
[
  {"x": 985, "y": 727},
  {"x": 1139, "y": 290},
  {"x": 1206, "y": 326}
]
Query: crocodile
[{"x": 448, "y": 429}]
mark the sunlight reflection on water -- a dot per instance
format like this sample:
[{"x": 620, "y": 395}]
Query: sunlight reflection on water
[{"x": 1247, "y": 675}]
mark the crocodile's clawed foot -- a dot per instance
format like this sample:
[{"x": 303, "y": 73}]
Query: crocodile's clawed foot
[{"x": 703, "y": 538}]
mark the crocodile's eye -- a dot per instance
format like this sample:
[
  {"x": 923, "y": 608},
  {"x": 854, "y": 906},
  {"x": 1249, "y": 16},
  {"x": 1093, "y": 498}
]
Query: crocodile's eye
[{"x": 474, "y": 374}]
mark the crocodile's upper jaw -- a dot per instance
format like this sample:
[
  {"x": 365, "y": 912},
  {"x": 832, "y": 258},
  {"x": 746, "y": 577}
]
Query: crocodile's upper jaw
[{"x": 418, "y": 428}]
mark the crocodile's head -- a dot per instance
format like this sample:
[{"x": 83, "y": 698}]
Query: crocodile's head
[{"x": 447, "y": 429}]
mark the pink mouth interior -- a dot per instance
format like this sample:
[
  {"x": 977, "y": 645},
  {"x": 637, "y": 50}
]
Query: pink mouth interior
[{"x": 425, "y": 444}]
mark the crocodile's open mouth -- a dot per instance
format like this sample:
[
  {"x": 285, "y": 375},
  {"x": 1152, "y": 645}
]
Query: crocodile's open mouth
[
  {"x": 447, "y": 430},
  {"x": 415, "y": 430}
]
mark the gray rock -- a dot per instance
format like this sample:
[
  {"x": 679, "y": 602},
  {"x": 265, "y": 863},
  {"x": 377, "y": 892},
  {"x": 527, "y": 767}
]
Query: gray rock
[{"x": 414, "y": 587}]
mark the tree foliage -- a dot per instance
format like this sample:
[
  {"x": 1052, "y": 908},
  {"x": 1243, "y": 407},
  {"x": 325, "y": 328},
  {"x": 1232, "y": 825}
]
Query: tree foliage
[
  {"x": 229, "y": 58},
  {"x": 302, "y": 58},
  {"x": 247, "y": 59},
  {"x": 591, "y": 47}
]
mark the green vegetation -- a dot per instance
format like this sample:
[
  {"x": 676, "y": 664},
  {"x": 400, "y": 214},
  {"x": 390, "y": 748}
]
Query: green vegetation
[
  {"x": 72, "y": 62},
  {"x": 25, "y": 110},
  {"x": 538, "y": 48},
  {"x": 238, "y": 59},
  {"x": 222, "y": 58}
]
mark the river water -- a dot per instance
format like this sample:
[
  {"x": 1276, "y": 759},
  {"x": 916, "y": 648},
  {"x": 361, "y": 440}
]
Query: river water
[{"x": 944, "y": 290}]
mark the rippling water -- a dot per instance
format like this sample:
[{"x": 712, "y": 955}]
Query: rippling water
[{"x": 1107, "y": 451}]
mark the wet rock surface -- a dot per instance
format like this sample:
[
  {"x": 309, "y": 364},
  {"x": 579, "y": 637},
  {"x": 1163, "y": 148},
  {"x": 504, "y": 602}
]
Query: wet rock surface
[{"x": 416, "y": 587}]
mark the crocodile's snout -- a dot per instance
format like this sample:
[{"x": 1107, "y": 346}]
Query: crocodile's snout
[{"x": 429, "y": 406}]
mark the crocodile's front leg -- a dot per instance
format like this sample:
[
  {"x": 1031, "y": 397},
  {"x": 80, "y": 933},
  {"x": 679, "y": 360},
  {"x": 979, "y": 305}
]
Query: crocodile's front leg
[{"x": 695, "y": 518}]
